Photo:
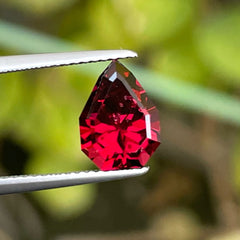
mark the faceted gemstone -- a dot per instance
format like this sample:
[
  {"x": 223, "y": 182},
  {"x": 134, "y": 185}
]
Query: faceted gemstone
[{"x": 119, "y": 125}]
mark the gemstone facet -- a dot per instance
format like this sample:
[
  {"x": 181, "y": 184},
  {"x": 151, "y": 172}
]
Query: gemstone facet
[{"x": 119, "y": 125}]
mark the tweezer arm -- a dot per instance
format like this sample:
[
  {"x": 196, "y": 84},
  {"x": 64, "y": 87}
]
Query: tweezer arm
[
  {"x": 32, "y": 61},
  {"x": 25, "y": 183}
]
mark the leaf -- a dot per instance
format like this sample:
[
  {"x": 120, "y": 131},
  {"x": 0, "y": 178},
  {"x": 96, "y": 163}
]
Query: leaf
[
  {"x": 42, "y": 7},
  {"x": 190, "y": 96},
  {"x": 181, "y": 62},
  {"x": 218, "y": 39},
  {"x": 162, "y": 19}
]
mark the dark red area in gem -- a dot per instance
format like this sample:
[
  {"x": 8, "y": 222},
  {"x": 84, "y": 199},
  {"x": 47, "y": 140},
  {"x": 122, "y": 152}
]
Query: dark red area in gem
[{"x": 119, "y": 125}]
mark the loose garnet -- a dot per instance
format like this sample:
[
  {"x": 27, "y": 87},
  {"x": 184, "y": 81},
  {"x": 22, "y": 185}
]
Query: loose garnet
[{"x": 119, "y": 125}]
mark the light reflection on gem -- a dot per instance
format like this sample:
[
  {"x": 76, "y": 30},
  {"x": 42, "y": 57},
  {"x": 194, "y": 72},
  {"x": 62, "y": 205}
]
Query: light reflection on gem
[{"x": 119, "y": 125}]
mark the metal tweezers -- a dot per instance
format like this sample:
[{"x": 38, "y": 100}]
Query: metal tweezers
[{"x": 25, "y": 183}]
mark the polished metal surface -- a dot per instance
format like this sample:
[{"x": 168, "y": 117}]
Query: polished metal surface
[
  {"x": 32, "y": 61},
  {"x": 25, "y": 183}
]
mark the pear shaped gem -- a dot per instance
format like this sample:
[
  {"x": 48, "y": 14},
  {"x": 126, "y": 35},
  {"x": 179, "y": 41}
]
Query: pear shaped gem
[{"x": 119, "y": 125}]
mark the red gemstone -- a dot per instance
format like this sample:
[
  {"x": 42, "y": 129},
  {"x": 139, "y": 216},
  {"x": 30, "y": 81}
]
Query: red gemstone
[{"x": 119, "y": 125}]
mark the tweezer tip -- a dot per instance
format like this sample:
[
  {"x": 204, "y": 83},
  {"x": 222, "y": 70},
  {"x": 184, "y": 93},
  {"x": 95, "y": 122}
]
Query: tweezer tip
[
  {"x": 15, "y": 184},
  {"x": 143, "y": 170},
  {"x": 130, "y": 53},
  {"x": 136, "y": 171}
]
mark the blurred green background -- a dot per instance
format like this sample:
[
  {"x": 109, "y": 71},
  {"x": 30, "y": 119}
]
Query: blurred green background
[{"x": 189, "y": 63}]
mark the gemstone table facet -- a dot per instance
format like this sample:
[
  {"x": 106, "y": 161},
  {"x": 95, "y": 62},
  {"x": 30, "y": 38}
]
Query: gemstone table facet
[{"x": 119, "y": 125}]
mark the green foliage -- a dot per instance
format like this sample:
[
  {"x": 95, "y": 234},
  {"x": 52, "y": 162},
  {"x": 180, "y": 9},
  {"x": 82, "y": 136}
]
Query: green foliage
[
  {"x": 63, "y": 202},
  {"x": 9, "y": 94},
  {"x": 42, "y": 7},
  {"x": 218, "y": 39},
  {"x": 186, "y": 59},
  {"x": 181, "y": 61},
  {"x": 236, "y": 166},
  {"x": 161, "y": 19},
  {"x": 39, "y": 118}
]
